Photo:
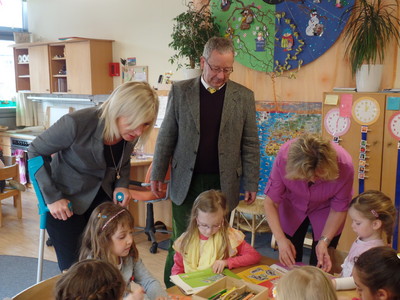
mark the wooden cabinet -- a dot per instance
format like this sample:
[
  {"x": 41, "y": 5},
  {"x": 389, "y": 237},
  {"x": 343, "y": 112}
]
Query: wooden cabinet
[
  {"x": 39, "y": 69},
  {"x": 78, "y": 66},
  {"x": 381, "y": 148},
  {"x": 21, "y": 65}
]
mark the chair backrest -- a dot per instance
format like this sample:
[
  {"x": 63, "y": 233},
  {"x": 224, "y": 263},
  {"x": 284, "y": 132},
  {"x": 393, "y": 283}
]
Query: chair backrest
[
  {"x": 166, "y": 179},
  {"x": 10, "y": 172}
]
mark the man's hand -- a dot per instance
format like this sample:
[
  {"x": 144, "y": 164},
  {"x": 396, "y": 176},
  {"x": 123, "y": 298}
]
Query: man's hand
[
  {"x": 156, "y": 187},
  {"x": 249, "y": 197}
]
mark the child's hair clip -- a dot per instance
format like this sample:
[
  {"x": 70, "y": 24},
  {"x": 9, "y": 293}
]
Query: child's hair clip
[
  {"x": 101, "y": 216},
  {"x": 375, "y": 213}
]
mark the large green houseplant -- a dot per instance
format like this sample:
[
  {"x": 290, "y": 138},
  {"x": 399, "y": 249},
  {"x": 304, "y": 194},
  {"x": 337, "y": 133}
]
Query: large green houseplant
[
  {"x": 191, "y": 31},
  {"x": 372, "y": 26}
]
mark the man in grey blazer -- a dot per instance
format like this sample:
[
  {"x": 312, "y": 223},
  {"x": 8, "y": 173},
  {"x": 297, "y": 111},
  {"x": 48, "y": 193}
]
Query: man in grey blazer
[{"x": 209, "y": 136}]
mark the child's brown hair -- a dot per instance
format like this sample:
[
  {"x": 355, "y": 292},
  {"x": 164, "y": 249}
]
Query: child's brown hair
[
  {"x": 103, "y": 223},
  {"x": 375, "y": 205},
  {"x": 208, "y": 202},
  {"x": 90, "y": 279}
]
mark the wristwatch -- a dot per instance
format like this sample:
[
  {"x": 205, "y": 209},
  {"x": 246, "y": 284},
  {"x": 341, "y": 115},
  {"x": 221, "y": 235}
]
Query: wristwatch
[{"x": 325, "y": 239}]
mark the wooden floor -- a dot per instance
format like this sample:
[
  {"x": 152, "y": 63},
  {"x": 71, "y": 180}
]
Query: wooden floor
[{"x": 21, "y": 237}]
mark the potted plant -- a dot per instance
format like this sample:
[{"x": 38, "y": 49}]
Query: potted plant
[
  {"x": 191, "y": 31},
  {"x": 372, "y": 26}
]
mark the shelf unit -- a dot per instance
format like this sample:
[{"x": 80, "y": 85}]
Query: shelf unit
[
  {"x": 58, "y": 69},
  {"x": 22, "y": 75}
]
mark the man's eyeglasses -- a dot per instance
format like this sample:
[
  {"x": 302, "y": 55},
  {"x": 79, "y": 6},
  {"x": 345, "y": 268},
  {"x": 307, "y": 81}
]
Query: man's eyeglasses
[
  {"x": 226, "y": 71},
  {"x": 206, "y": 227}
]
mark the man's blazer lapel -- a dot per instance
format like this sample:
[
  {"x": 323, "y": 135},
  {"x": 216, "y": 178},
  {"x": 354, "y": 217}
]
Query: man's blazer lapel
[
  {"x": 231, "y": 96},
  {"x": 192, "y": 93}
]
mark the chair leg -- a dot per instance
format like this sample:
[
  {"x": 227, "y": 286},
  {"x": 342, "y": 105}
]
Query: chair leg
[
  {"x": 150, "y": 228},
  {"x": 18, "y": 205}
]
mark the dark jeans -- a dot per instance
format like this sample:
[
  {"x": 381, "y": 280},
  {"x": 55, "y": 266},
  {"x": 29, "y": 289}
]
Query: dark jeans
[
  {"x": 66, "y": 235},
  {"x": 181, "y": 214},
  {"x": 298, "y": 241}
]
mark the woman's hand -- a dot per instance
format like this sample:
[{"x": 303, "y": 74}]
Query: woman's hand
[
  {"x": 126, "y": 199},
  {"x": 60, "y": 209},
  {"x": 324, "y": 260},
  {"x": 287, "y": 252},
  {"x": 219, "y": 266}
]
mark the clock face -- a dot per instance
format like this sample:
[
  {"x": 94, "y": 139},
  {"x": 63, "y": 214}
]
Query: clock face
[
  {"x": 336, "y": 125},
  {"x": 366, "y": 110},
  {"x": 394, "y": 125}
]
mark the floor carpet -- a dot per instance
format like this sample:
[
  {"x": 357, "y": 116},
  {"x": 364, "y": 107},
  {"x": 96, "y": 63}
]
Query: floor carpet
[{"x": 18, "y": 273}]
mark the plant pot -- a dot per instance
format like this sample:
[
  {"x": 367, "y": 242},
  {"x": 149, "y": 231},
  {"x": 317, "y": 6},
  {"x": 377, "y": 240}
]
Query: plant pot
[
  {"x": 368, "y": 78},
  {"x": 191, "y": 73}
]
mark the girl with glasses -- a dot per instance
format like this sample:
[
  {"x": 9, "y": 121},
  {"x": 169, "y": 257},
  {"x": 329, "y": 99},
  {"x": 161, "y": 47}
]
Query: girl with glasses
[{"x": 209, "y": 241}]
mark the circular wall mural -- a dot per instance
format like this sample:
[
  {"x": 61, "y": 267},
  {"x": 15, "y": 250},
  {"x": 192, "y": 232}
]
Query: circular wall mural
[{"x": 280, "y": 35}]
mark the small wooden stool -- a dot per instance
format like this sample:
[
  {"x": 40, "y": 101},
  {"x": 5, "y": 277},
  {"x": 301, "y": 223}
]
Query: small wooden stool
[{"x": 250, "y": 218}]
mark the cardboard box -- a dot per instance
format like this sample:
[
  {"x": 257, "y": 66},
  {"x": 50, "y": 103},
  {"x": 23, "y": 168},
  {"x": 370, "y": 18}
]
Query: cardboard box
[{"x": 228, "y": 283}]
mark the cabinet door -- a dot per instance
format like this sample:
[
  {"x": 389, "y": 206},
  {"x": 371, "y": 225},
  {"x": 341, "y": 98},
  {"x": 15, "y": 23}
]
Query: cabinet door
[
  {"x": 78, "y": 60},
  {"x": 39, "y": 69}
]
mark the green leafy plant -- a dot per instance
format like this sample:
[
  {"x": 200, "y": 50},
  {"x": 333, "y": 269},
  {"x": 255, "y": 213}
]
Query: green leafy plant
[
  {"x": 191, "y": 31},
  {"x": 373, "y": 24}
]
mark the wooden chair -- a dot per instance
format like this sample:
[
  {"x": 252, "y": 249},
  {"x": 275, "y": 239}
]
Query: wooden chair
[
  {"x": 141, "y": 192},
  {"x": 250, "y": 218},
  {"x": 43, "y": 290},
  {"x": 6, "y": 173}
]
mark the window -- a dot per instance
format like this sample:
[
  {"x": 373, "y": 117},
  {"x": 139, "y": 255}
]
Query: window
[{"x": 13, "y": 18}]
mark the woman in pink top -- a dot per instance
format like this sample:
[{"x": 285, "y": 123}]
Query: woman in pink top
[{"x": 310, "y": 182}]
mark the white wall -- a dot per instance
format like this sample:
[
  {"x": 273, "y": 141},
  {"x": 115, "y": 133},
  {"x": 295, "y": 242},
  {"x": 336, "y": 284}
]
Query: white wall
[{"x": 140, "y": 28}]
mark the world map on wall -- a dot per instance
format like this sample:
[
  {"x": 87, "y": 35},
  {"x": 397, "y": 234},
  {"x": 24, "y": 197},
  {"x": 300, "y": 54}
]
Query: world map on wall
[
  {"x": 276, "y": 126},
  {"x": 280, "y": 35}
]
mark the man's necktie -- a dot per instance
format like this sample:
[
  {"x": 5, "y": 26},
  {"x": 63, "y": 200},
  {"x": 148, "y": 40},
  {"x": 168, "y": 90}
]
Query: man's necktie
[{"x": 211, "y": 90}]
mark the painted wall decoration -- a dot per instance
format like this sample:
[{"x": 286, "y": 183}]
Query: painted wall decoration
[
  {"x": 280, "y": 35},
  {"x": 276, "y": 125}
]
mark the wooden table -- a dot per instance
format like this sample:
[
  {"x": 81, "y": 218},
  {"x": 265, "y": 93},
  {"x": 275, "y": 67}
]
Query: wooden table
[{"x": 267, "y": 261}]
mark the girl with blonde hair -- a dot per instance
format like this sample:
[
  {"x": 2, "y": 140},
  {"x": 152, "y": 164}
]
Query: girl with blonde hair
[{"x": 209, "y": 241}]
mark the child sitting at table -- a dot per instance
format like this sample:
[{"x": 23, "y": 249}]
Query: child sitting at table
[
  {"x": 92, "y": 279},
  {"x": 109, "y": 236},
  {"x": 373, "y": 214},
  {"x": 209, "y": 241},
  {"x": 304, "y": 283},
  {"x": 377, "y": 274}
]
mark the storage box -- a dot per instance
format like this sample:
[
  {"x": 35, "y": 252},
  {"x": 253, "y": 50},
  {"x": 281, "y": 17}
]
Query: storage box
[{"x": 228, "y": 283}]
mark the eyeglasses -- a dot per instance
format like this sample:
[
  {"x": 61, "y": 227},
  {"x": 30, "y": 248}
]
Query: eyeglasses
[
  {"x": 226, "y": 71},
  {"x": 206, "y": 227}
]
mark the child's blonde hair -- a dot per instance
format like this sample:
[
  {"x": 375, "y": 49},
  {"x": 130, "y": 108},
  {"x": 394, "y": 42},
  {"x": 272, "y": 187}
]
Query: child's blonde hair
[
  {"x": 210, "y": 201},
  {"x": 375, "y": 205},
  {"x": 103, "y": 223},
  {"x": 305, "y": 283},
  {"x": 90, "y": 279}
]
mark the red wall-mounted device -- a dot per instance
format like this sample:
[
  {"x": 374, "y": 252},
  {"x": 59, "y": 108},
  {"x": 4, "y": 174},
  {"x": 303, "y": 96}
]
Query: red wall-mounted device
[{"x": 113, "y": 69}]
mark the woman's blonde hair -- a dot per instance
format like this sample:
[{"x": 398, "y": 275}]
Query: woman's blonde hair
[
  {"x": 137, "y": 102},
  {"x": 90, "y": 279},
  {"x": 210, "y": 201},
  {"x": 312, "y": 156},
  {"x": 305, "y": 283},
  {"x": 103, "y": 223},
  {"x": 375, "y": 205}
]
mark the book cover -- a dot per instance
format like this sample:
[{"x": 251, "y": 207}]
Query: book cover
[
  {"x": 193, "y": 282},
  {"x": 259, "y": 274}
]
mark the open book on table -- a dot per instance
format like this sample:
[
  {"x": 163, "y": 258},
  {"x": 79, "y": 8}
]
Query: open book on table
[{"x": 193, "y": 282}]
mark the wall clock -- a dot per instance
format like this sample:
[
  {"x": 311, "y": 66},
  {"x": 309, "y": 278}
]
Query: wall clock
[
  {"x": 273, "y": 35},
  {"x": 366, "y": 110},
  {"x": 394, "y": 126},
  {"x": 336, "y": 125}
]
